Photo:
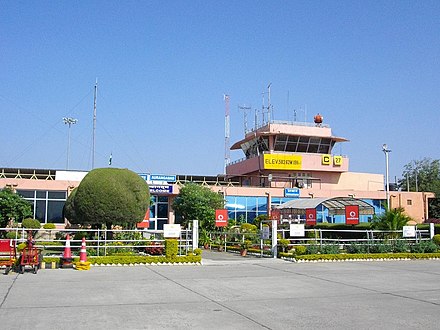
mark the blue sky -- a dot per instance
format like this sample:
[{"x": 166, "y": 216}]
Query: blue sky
[{"x": 372, "y": 68}]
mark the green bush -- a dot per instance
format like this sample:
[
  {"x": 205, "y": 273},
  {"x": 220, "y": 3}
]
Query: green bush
[
  {"x": 436, "y": 239},
  {"x": 13, "y": 234},
  {"x": 312, "y": 249},
  {"x": 300, "y": 250},
  {"x": 49, "y": 225},
  {"x": 197, "y": 252},
  {"x": 381, "y": 248},
  {"x": 330, "y": 249},
  {"x": 424, "y": 247},
  {"x": 30, "y": 223},
  {"x": 400, "y": 246},
  {"x": 356, "y": 248},
  {"x": 171, "y": 247}
]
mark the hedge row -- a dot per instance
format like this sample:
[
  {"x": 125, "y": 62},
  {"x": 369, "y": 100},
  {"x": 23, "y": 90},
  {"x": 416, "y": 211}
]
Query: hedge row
[
  {"x": 362, "y": 256},
  {"x": 121, "y": 259}
]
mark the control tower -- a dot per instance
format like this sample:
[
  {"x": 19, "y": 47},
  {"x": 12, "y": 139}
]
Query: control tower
[{"x": 281, "y": 154}]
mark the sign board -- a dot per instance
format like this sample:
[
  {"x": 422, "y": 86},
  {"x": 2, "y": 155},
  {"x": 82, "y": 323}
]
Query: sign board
[
  {"x": 311, "y": 217},
  {"x": 275, "y": 214},
  {"x": 292, "y": 192},
  {"x": 162, "y": 189},
  {"x": 352, "y": 214},
  {"x": 171, "y": 230},
  {"x": 282, "y": 162},
  {"x": 161, "y": 177},
  {"x": 337, "y": 160},
  {"x": 221, "y": 218},
  {"x": 326, "y": 159},
  {"x": 265, "y": 232},
  {"x": 409, "y": 231},
  {"x": 297, "y": 230}
]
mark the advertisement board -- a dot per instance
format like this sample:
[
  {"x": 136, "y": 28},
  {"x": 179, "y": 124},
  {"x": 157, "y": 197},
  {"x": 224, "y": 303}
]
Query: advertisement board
[
  {"x": 221, "y": 218},
  {"x": 311, "y": 217},
  {"x": 352, "y": 214}
]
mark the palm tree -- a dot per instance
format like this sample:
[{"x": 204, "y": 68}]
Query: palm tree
[{"x": 391, "y": 220}]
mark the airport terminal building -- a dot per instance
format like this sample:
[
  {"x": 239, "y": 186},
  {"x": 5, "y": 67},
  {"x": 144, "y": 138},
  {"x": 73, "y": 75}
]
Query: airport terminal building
[{"x": 287, "y": 166}]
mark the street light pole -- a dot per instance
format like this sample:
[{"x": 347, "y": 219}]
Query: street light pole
[
  {"x": 69, "y": 121},
  {"x": 386, "y": 151}
]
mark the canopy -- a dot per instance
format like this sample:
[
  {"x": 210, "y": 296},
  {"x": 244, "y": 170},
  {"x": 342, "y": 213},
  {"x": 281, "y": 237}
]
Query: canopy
[{"x": 335, "y": 206}]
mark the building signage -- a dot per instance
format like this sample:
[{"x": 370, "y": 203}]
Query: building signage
[
  {"x": 161, "y": 177},
  {"x": 327, "y": 160},
  {"x": 352, "y": 214},
  {"x": 282, "y": 162},
  {"x": 337, "y": 160},
  {"x": 297, "y": 230},
  {"x": 311, "y": 217},
  {"x": 171, "y": 230},
  {"x": 409, "y": 231},
  {"x": 292, "y": 192},
  {"x": 161, "y": 189},
  {"x": 221, "y": 218}
]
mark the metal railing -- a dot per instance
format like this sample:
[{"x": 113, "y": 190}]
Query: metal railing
[{"x": 100, "y": 242}]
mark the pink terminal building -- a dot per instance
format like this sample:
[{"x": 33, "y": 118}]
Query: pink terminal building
[{"x": 288, "y": 166}]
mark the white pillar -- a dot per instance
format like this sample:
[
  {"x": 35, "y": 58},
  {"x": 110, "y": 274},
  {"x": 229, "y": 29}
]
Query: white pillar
[
  {"x": 195, "y": 235},
  {"x": 274, "y": 238}
]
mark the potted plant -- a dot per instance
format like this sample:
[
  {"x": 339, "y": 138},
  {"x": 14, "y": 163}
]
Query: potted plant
[
  {"x": 204, "y": 239},
  {"x": 245, "y": 245}
]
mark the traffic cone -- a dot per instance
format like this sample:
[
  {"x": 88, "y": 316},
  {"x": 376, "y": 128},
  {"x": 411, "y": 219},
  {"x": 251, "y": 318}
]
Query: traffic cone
[
  {"x": 83, "y": 252},
  {"x": 67, "y": 252},
  {"x": 66, "y": 259}
]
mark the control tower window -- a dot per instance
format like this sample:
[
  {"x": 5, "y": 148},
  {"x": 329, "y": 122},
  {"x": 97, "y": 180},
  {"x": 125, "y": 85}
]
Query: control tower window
[{"x": 255, "y": 147}]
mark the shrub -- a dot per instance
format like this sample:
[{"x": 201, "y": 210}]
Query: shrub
[
  {"x": 49, "y": 225},
  {"x": 284, "y": 243},
  {"x": 400, "y": 246},
  {"x": 312, "y": 249},
  {"x": 424, "y": 247},
  {"x": 300, "y": 250},
  {"x": 171, "y": 247},
  {"x": 356, "y": 248},
  {"x": 30, "y": 223},
  {"x": 13, "y": 234},
  {"x": 197, "y": 252},
  {"x": 436, "y": 239},
  {"x": 381, "y": 248},
  {"x": 248, "y": 228},
  {"x": 330, "y": 249}
]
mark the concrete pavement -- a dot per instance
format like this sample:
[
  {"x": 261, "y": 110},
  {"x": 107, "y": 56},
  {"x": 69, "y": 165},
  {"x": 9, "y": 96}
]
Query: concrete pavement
[{"x": 227, "y": 292}]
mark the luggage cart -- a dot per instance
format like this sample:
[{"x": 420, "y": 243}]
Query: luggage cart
[
  {"x": 30, "y": 256},
  {"x": 8, "y": 254}
]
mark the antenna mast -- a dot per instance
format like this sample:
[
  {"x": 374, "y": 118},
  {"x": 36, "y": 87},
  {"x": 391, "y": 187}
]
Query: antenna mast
[
  {"x": 245, "y": 109},
  {"x": 268, "y": 104},
  {"x": 94, "y": 123},
  {"x": 227, "y": 131}
]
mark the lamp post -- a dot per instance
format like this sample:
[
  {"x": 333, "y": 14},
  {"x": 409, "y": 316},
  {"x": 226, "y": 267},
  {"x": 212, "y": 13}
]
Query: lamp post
[
  {"x": 69, "y": 121},
  {"x": 386, "y": 151}
]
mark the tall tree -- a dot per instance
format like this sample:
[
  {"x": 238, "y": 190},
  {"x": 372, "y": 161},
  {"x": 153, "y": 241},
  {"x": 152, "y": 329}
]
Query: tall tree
[
  {"x": 108, "y": 196},
  {"x": 13, "y": 207},
  {"x": 423, "y": 175},
  {"x": 196, "y": 202}
]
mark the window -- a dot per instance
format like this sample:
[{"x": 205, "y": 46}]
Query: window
[{"x": 408, "y": 202}]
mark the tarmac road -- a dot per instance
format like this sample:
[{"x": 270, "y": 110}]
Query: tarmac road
[{"x": 227, "y": 292}]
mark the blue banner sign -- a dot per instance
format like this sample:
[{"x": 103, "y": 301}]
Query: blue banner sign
[
  {"x": 161, "y": 177},
  {"x": 292, "y": 192},
  {"x": 165, "y": 189}
]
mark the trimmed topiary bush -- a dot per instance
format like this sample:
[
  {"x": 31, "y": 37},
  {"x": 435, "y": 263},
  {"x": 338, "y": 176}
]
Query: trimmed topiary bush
[
  {"x": 49, "y": 225},
  {"x": 171, "y": 247},
  {"x": 30, "y": 223},
  {"x": 436, "y": 239}
]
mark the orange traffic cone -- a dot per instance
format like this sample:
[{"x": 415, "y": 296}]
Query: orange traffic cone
[
  {"x": 83, "y": 252},
  {"x": 66, "y": 259},
  {"x": 67, "y": 252}
]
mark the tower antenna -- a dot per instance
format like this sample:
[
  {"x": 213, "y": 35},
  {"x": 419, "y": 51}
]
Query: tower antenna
[
  {"x": 94, "y": 123},
  {"x": 245, "y": 109},
  {"x": 227, "y": 131}
]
